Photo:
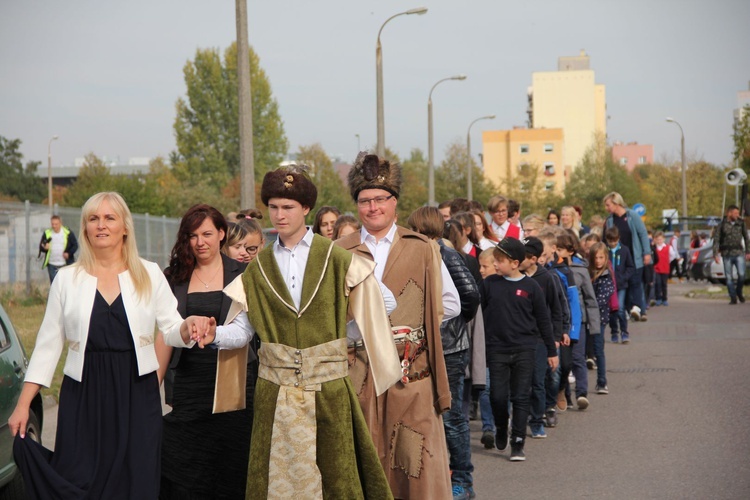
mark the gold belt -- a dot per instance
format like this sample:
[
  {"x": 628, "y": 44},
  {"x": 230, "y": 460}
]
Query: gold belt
[{"x": 306, "y": 368}]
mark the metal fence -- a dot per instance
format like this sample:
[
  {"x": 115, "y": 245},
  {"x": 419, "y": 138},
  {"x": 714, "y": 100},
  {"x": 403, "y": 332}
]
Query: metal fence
[{"x": 22, "y": 225}]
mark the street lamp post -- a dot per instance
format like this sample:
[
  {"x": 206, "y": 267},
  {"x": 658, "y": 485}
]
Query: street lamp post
[
  {"x": 430, "y": 146},
  {"x": 49, "y": 173},
  {"x": 684, "y": 174},
  {"x": 359, "y": 146},
  {"x": 379, "y": 78},
  {"x": 469, "y": 190}
]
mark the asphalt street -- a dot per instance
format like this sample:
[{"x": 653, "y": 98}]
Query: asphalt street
[{"x": 673, "y": 425}]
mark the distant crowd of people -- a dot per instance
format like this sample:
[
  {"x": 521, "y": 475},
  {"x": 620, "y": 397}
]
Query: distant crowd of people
[{"x": 343, "y": 360}]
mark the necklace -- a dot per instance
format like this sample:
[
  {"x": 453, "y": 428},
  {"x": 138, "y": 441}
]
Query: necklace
[{"x": 205, "y": 283}]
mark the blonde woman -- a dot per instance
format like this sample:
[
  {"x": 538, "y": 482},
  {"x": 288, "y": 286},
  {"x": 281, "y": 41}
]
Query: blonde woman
[
  {"x": 105, "y": 308},
  {"x": 569, "y": 220},
  {"x": 533, "y": 224}
]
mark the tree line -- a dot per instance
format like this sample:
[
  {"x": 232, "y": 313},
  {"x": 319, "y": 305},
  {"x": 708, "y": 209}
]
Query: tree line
[{"x": 204, "y": 167}]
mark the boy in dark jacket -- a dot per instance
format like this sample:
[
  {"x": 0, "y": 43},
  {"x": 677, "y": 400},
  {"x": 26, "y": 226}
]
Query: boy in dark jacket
[
  {"x": 624, "y": 267},
  {"x": 515, "y": 317},
  {"x": 544, "y": 278}
]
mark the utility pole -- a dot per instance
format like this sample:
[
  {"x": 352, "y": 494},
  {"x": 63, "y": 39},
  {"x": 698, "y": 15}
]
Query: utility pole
[{"x": 247, "y": 167}]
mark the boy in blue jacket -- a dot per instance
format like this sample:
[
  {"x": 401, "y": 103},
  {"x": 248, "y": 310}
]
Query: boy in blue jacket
[{"x": 624, "y": 267}]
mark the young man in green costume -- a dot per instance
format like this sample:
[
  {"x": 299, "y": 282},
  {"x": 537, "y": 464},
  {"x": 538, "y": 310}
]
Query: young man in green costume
[{"x": 310, "y": 439}]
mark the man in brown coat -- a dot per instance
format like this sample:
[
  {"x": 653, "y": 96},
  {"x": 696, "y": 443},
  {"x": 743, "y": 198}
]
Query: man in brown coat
[{"x": 405, "y": 422}]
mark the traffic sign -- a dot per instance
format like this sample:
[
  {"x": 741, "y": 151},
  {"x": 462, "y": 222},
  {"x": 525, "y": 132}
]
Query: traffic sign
[{"x": 640, "y": 209}]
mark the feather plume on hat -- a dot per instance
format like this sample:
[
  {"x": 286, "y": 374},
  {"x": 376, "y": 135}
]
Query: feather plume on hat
[{"x": 372, "y": 172}]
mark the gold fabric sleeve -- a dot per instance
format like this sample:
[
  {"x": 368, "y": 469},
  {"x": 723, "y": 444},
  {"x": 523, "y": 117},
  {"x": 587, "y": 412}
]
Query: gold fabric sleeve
[
  {"x": 231, "y": 366},
  {"x": 367, "y": 308}
]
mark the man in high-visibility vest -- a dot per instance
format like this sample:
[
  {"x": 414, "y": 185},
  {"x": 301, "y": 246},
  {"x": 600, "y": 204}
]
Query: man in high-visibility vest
[{"x": 59, "y": 245}]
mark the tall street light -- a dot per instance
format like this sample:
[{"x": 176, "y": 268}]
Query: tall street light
[
  {"x": 49, "y": 173},
  {"x": 379, "y": 73},
  {"x": 469, "y": 190},
  {"x": 430, "y": 147},
  {"x": 684, "y": 174}
]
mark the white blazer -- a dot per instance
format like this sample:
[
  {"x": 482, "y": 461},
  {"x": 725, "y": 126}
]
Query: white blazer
[{"x": 69, "y": 305}]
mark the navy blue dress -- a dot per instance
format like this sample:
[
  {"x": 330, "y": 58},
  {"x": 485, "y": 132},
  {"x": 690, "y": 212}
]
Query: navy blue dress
[{"x": 109, "y": 425}]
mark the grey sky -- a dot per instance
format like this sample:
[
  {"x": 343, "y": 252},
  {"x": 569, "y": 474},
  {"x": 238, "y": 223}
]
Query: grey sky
[{"x": 105, "y": 75}]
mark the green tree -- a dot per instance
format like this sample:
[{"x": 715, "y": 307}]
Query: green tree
[
  {"x": 331, "y": 189},
  {"x": 596, "y": 175},
  {"x": 451, "y": 176},
  {"x": 93, "y": 177},
  {"x": 18, "y": 181},
  {"x": 741, "y": 137},
  {"x": 207, "y": 122}
]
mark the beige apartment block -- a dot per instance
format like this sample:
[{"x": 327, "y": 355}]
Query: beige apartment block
[
  {"x": 569, "y": 99},
  {"x": 507, "y": 153}
]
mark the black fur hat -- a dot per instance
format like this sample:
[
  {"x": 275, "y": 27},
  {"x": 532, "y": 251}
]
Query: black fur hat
[{"x": 291, "y": 182}]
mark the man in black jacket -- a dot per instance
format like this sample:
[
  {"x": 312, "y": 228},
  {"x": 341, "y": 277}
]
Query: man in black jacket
[{"x": 729, "y": 239}]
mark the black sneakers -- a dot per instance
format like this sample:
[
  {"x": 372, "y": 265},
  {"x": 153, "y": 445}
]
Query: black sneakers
[
  {"x": 501, "y": 437},
  {"x": 516, "y": 450},
  {"x": 488, "y": 439}
]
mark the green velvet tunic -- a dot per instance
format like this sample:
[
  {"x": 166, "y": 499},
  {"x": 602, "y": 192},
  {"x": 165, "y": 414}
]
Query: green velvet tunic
[{"x": 346, "y": 455}]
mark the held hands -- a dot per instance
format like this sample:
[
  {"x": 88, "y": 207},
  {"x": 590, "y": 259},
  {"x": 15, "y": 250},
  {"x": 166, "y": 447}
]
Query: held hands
[{"x": 201, "y": 330}]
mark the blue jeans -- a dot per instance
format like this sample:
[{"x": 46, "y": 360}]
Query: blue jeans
[
  {"x": 457, "y": 434},
  {"x": 601, "y": 361},
  {"x": 538, "y": 393},
  {"x": 485, "y": 408},
  {"x": 553, "y": 378},
  {"x": 580, "y": 370},
  {"x": 621, "y": 316},
  {"x": 737, "y": 261},
  {"x": 510, "y": 379},
  {"x": 635, "y": 290},
  {"x": 52, "y": 270}
]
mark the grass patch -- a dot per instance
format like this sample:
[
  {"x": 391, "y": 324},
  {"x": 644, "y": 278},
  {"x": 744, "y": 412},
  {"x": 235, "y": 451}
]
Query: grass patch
[
  {"x": 26, "y": 312},
  {"x": 709, "y": 292}
]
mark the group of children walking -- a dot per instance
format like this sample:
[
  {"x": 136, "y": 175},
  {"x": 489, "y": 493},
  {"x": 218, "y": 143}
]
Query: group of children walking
[{"x": 547, "y": 300}]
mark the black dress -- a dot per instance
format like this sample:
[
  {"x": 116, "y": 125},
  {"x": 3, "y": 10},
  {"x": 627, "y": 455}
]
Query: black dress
[
  {"x": 109, "y": 425},
  {"x": 204, "y": 455}
]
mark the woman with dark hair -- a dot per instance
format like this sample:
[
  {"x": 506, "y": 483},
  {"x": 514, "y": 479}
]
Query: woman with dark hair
[
  {"x": 471, "y": 245},
  {"x": 325, "y": 219},
  {"x": 553, "y": 218},
  {"x": 486, "y": 237},
  {"x": 198, "y": 432}
]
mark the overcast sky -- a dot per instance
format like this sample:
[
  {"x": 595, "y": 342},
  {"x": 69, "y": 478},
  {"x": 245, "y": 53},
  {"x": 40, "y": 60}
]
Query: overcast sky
[{"x": 105, "y": 76}]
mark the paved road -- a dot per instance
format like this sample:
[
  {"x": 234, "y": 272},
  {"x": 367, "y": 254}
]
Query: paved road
[{"x": 673, "y": 426}]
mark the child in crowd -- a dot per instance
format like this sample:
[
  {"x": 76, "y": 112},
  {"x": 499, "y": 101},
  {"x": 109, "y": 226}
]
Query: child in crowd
[
  {"x": 567, "y": 246},
  {"x": 487, "y": 268},
  {"x": 624, "y": 267},
  {"x": 556, "y": 400},
  {"x": 516, "y": 317},
  {"x": 603, "y": 289},
  {"x": 587, "y": 241},
  {"x": 663, "y": 256},
  {"x": 344, "y": 225},
  {"x": 514, "y": 214},
  {"x": 648, "y": 275},
  {"x": 534, "y": 249}
]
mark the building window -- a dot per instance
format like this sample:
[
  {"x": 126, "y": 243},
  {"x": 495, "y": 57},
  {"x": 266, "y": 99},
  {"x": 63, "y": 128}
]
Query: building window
[
  {"x": 524, "y": 149},
  {"x": 549, "y": 169},
  {"x": 549, "y": 186},
  {"x": 641, "y": 160},
  {"x": 624, "y": 160},
  {"x": 549, "y": 148}
]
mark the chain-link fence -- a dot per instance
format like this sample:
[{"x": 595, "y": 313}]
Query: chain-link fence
[{"x": 22, "y": 225}]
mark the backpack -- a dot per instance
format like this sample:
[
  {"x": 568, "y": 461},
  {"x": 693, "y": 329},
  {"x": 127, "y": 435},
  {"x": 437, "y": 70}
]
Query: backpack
[{"x": 574, "y": 303}]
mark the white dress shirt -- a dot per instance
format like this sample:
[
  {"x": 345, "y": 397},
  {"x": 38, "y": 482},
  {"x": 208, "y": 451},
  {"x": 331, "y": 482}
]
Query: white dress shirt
[
  {"x": 501, "y": 229},
  {"x": 380, "y": 250}
]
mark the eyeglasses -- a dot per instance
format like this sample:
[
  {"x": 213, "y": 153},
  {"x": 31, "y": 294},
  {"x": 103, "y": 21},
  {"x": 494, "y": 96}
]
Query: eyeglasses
[
  {"x": 252, "y": 250},
  {"x": 501, "y": 211},
  {"x": 379, "y": 201}
]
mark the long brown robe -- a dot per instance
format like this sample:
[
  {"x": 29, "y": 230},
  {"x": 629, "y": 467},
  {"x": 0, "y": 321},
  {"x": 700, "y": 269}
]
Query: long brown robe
[{"x": 405, "y": 422}]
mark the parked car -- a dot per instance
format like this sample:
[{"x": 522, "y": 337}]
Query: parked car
[
  {"x": 13, "y": 364},
  {"x": 702, "y": 266}
]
